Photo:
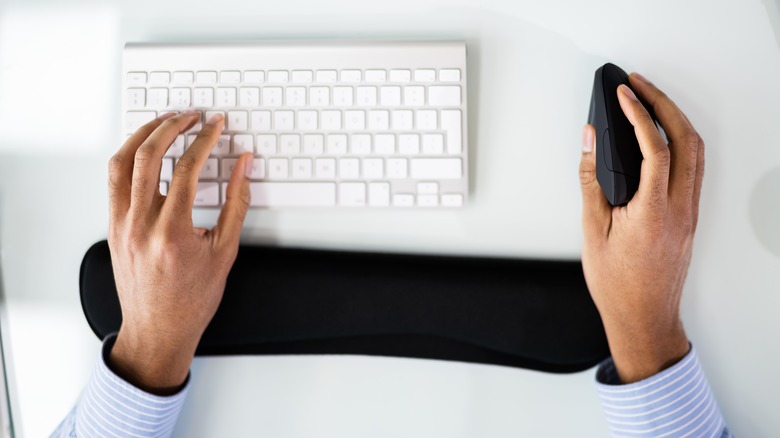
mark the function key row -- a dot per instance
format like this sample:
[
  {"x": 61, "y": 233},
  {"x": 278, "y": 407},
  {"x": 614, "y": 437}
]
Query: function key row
[{"x": 423, "y": 75}]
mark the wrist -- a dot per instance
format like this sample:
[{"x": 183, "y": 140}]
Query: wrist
[
  {"x": 640, "y": 350},
  {"x": 157, "y": 366}
]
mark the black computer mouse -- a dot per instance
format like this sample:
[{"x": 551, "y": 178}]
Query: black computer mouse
[{"x": 618, "y": 157}]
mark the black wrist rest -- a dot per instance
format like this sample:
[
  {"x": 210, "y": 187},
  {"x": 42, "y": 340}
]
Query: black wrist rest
[{"x": 520, "y": 313}]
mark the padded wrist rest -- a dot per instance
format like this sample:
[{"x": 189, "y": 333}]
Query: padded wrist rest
[{"x": 520, "y": 313}]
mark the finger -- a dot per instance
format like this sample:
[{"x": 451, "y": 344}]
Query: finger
[
  {"x": 684, "y": 141},
  {"x": 184, "y": 183},
  {"x": 654, "y": 178},
  {"x": 228, "y": 229},
  {"x": 148, "y": 159},
  {"x": 120, "y": 168},
  {"x": 596, "y": 211}
]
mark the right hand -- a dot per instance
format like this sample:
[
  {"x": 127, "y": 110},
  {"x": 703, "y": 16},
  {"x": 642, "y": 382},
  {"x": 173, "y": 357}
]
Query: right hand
[{"x": 636, "y": 257}]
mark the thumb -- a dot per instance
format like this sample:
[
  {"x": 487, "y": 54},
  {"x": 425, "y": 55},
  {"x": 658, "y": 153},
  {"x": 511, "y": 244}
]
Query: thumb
[
  {"x": 227, "y": 232},
  {"x": 596, "y": 211}
]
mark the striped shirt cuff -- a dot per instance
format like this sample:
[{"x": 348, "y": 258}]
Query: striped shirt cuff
[
  {"x": 112, "y": 407},
  {"x": 676, "y": 402}
]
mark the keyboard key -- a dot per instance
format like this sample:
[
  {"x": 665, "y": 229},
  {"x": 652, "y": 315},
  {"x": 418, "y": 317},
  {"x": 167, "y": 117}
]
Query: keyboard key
[
  {"x": 414, "y": 96},
  {"x": 136, "y": 98},
  {"x": 390, "y": 96},
  {"x": 207, "y": 194},
  {"x": 425, "y": 119},
  {"x": 135, "y": 78},
  {"x": 376, "y": 75},
  {"x": 400, "y": 75},
  {"x": 242, "y": 143},
  {"x": 278, "y": 76},
  {"x": 396, "y": 168},
  {"x": 290, "y": 144},
  {"x": 337, "y": 144},
  {"x": 379, "y": 194},
  {"x": 427, "y": 200},
  {"x": 257, "y": 172},
  {"x": 296, "y": 96},
  {"x": 373, "y": 168},
  {"x": 278, "y": 168},
  {"x": 284, "y": 120},
  {"x": 425, "y": 75},
  {"x": 272, "y": 96},
  {"x": 183, "y": 77},
  {"x": 408, "y": 144},
  {"x": 254, "y": 77},
  {"x": 331, "y": 120},
  {"x": 436, "y": 168},
  {"x": 349, "y": 168},
  {"x": 226, "y": 97},
  {"x": 206, "y": 77},
  {"x": 433, "y": 144},
  {"x": 402, "y": 120},
  {"x": 209, "y": 169},
  {"x": 450, "y": 122},
  {"x": 444, "y": 95},
  {"x": 301, "y": 168},
  {"x": 163, "y": 188},
  {"x": 403, "y": 200},
  {"x": 307, "y": 120},
  {"x": 159, "y": 78},
  {"x": 249, "y": 97},
  {"x": 313, "y": 144},
  {"x": 136, "y": 119},
  {"x": 158, "y": 98},
  {"x": 280, "y": 194},
  {"x": 350, "y": 75},
  {"x": 230, "y": 77},
  {"x": 203, "y": 97},
  {"x": 342, "y": 96},
  {"x": 384, "y": 144},
  {"x": 302, "y": 76},
  {"x": 237, "y": 121},
  {"x": 355, "y": 120},
  {"x": 326, "y": 75},
  {"x": 261, "y": 120},
  {"x": 449, "y": 75},
  {"x": 176, "y": 149},
  {"x": 180, "y": 98},
  {"x": 166, "y": 171},
  {"x": 222, "y": 146},
  {"x": 325, "y": 168},
  {"x": 452, "y": 200},
  {"x": 378, "y": 120},
  {"x": 352, "y": 194},
  {"x": 366, "y": 96},
  {"x": 360, "y": 144},
  {"x": 427, "y": 188},
  {"x": 266, "y": 144},
  {"x": 319, "y": 96}
]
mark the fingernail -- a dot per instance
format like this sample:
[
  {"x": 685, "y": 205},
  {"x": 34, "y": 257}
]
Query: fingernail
[
  {"x": 191, "y": 112},
  {"x": 248, "y": 166},
  {"x": 216, "y": 118},
  {"x": 587, "y": 139},
  {"x": 166, "y": 116},
  {"x": 628, "y": 92}
]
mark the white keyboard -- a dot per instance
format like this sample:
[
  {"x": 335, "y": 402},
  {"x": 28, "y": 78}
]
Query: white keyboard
[{"x": 335, "y": 124}]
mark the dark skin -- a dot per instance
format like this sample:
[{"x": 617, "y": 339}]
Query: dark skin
[{"x": 171, "y": 276}]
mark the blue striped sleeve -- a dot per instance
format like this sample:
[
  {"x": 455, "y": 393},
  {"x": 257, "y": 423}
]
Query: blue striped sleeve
[
  {"x": 676, "y": 402},
  {"x": 112, "y": 407}
]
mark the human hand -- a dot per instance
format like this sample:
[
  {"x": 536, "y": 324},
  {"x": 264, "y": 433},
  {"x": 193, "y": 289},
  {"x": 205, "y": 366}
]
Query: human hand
[
  {"x": 169, "y": 275},
  {"x": 636, "y": 257}
]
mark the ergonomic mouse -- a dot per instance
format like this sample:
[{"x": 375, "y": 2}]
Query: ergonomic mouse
[{"x": 618, "y": 157}]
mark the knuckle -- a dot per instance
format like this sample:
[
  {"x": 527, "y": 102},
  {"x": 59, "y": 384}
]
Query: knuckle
[
  {"x": 144, "y": 154},
  {"x": 185, "y": 165},
  {"x": 587, "y": 175},
  {"x": 663, "y": 157},
  {"x": 691, "y": 140}
]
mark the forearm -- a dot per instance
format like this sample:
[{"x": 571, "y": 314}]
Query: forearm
[
  {"x": 674, "y": 402},
  {"x": 110, "y": 406}
]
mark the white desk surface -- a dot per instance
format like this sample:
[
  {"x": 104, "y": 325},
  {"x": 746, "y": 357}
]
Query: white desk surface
[{"x": 530, "y": 74}]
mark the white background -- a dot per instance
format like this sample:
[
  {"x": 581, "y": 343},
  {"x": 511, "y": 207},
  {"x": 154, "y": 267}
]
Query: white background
[{"x": 530, "y": 74}]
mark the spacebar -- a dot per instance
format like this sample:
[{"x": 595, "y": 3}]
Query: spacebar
[{"x": 281, "y": 194}]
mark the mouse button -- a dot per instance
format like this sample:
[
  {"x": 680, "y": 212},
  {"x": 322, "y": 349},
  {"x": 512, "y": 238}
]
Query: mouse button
[{"x": 606, "y": 147}]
